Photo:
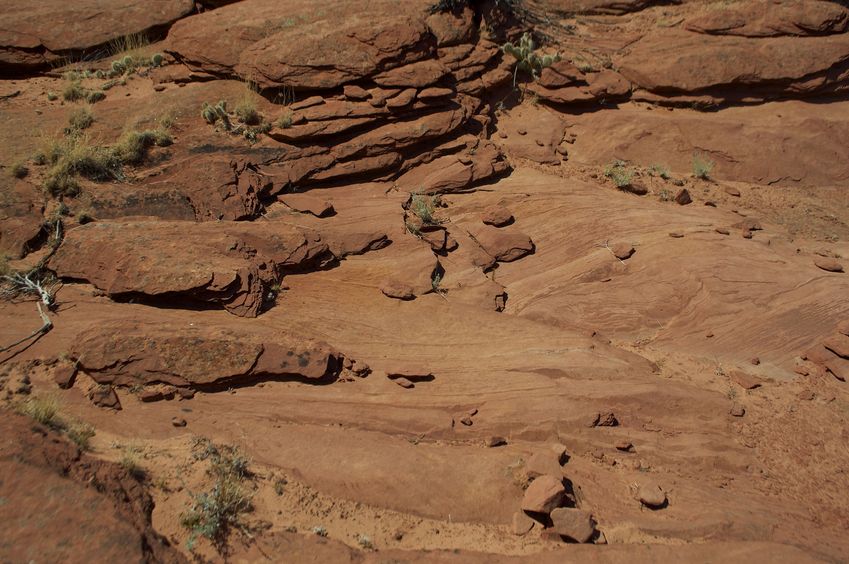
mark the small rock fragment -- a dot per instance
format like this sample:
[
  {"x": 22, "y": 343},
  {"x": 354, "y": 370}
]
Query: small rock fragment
[
  {"x": 497, "y": 216},
  {"x": 467, "y": 421},
  {"x": 651, "y": 495},
  {"x": 104, "y": 396},
  {"x": 738, "y": 410},
  {"x": 723, "y": 231},
  {"x": 495, "y": 441},
  {"x": 178, "y": 422},
  {"x": 151, "y": 396},
  {"x": 522, "y": 524},
  {"x": 828, "y": 264},
  {"x": 676, "y": 235},
  {"x": 806, "y": 395},
  {"x": 731, "y": 191},
  {"x": 186, "y": 393},
  {"x": 544, "y": 494},
  {"x": 607, "y": 420},
  {"x": 682, "y": 198},
  {"x": 746, "y": 381},
  {"x": 625, "y": 446},
  {"x": 755, "y": 360},
  {"x": 637, "y": 188},
  {"x": 573, "y": 523},
  {"x": 64, "y": 374},
  {"x": 397, "y": 290},
  {"x": 403, "y": 382},
  {"x": 622, "y": 251}
]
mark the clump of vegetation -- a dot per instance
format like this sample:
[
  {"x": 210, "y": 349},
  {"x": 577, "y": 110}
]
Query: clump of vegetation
[
  {"x": 285, "y": 121},
  {"x": 365, "y": 542},
  {"x": 619, "y": 173},
  {"x": 43, "y": 409},
  {"x": 217, "y": 113},
  {"x": 454, "y": 5},
  {"x": 526, "y": 58},
  {"x": 52, "y": 96},
  {"x": 130, "y": 462},
  {"x": 702, "y": 166},
  {"x": 320, "y": 531},
  {"x": 660, "y": 171},
  {"x": 73, "y": 157},
  {"x": 251, "y": 123},
  {"x": 80, "y": 119},
  {"x": 215, "y": 513},
  {"x": 74, "y": 91},
  {"x": 133, "y": 146},
  {"x": 424, "y": 207},
  {"x": 80, "y": 433},
  {"x": 46, "y": 410},
  {"x": 247, "y": 113},
  {"x": 19, "y": 170}
]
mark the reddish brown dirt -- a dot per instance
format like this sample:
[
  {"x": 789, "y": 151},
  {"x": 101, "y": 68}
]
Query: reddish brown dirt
[{"x": 399, "y": 369}]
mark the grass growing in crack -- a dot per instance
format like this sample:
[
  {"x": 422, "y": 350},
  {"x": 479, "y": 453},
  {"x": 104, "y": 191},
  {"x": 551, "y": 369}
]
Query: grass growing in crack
[
  {"x": 133, "y": 146},
  {"x": 285, "y": 121},
  {"x": 424, "y": 207},
  {"x": 247, "y": 113},
  {"x": 702, "y": 166},
  {"x": 129, "y": 461},
  {"x": 618, "y": 172},
  {"x": 80, "y": 434},
  {"x": 216, "y": 512},
  {"x": 74, "y": 91}
]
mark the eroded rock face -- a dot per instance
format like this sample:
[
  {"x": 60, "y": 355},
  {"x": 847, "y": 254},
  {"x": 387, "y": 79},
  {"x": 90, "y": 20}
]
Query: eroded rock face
[
  {"x": 773, "y": 18},
  {"x": 231, "y": 265},
  {"x": 30, "y": 38},
  {"x": 128, "y": 352}
]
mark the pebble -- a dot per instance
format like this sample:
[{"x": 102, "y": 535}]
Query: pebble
[
  {"x": 828, "y": 264},
  {"x": 723, "y": 231},
  {"x": 676, "y": 235},
  {"x": 622, "y": 251},
  {"x": 403, "y": 382},
  {"x": 178, "y": 422},
  {"x": 495, "y": 441},
  {"x": 651, "y": 495},
  {"x": 625, "y": 446},
  {"x": 731, "y": 191},
  {"x": 682, "y": 198},
  {"x": 738, "y": 410}
]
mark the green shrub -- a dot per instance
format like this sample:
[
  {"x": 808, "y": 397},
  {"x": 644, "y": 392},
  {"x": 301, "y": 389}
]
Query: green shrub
[
  {"x": 132, "y": 147},
  {"x": 702, "y": 166},
  {"x": 618, "y": 172},
  {"x": 157, "y": 59},
  {"x": 215, "y": 513},
  {"x": 52, "y": 96},
  {"x": 424, "y": 207}
]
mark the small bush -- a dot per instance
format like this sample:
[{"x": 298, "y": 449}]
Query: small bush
[
  {"x": 80, "y": 433},
  {"x": 214, "y": 513},
  {"x": 19, "y": 170},
  {"x": 157, "y": 59},
  {"x": 425, "y": 207},
  {"x": 74, "y": 91},
  {"x": 526, "y": 58},
  {"x": 132, "y": 147},
  {"x": 618, "y": 172},
  {"x": 79, "y": 120},
  {"x": 702, "y": 166},
  {"x": 129, "y": 461},
  {"x": 52, "y": 96},
  {"x": 285, "y": 121},
  {"x": 247, "y": 114},
  {"x": 44, "y": 409}
]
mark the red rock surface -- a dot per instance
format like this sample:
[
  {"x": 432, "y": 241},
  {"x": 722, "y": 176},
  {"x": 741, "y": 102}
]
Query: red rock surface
[{"x": 233, "y": 284}]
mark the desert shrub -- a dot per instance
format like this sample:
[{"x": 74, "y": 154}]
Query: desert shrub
[
  {"x": 216, "y": 512},
  {"x": 132, "y": 147},
  {"x": 618, "y": 172},
  {"x": 52, "y": 96},
  {"x": 247, "y": 113},
  {"x": 74, "y": 91},
  {"x": 424, "y": 207},
  {"x": 19, "y": 170},
  {"x": 285, "y": 121},
  {"x": 80, "y": 119},
  {"x": 702, "y": 166},
  {"x": 217, "y": 113},
  {"x": 157, "y": 59},
  {"x": 80, "y": 434},
  {"x": 44, "y": 409},
  {"x": 75, "y": 157}
]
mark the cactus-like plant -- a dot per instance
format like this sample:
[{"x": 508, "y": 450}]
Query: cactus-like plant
[
  {"x": 156, "y": 59},
  {"x": 216, "y": 113},
  {"x": 527, "y": 59}
]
